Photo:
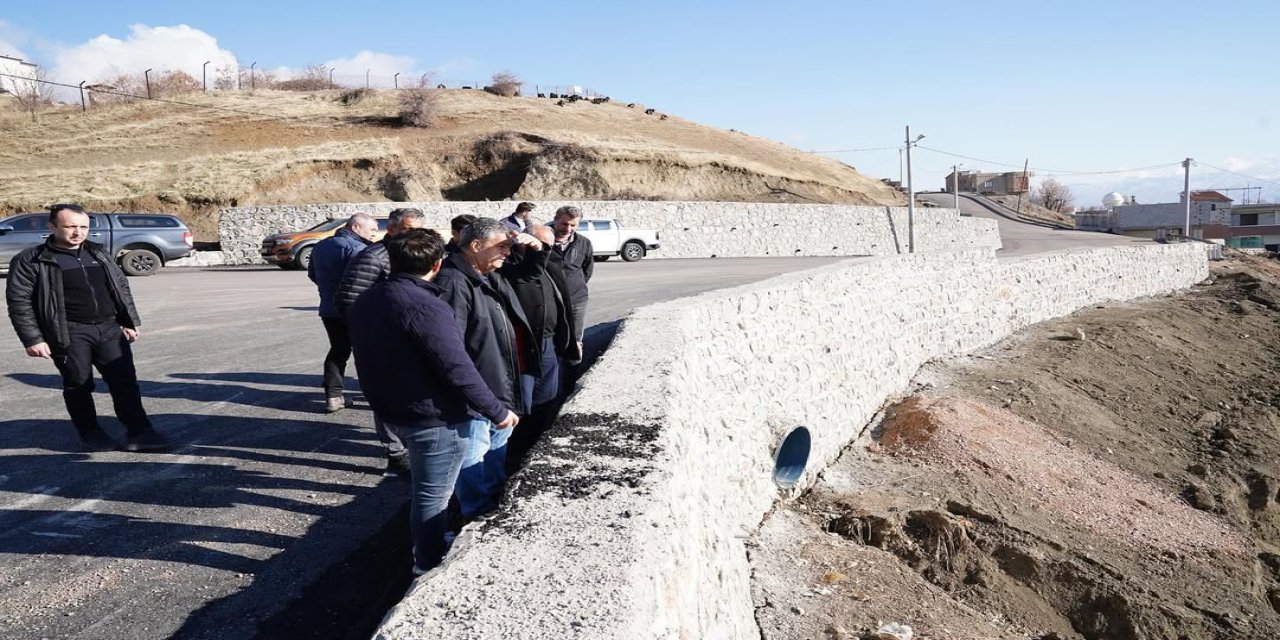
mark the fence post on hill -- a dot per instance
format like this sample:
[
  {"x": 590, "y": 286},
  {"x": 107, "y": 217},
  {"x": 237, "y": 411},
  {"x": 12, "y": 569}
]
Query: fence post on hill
[{"x": 147, "y": 74}]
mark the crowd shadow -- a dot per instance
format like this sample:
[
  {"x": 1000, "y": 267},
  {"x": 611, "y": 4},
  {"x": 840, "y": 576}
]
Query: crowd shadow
[
  {"x": 188, "y": 388},
  {"x": 221, "y": 464}
]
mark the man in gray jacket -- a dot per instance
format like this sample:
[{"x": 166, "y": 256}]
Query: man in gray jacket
[{"x": 69, "y": 302}]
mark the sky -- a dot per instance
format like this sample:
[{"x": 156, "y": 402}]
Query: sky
[{"x": 1077, "y": 88}]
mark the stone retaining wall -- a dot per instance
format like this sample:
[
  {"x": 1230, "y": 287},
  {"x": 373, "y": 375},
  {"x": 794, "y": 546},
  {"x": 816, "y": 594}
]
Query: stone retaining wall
[
  {"x": 631, "y": 519},
  {"x": 688, "y": 229}
]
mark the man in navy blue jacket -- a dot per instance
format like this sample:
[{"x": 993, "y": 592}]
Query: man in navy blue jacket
[
  {"x": 416, "y": 373},
  {"x": 328, "y": 260}
]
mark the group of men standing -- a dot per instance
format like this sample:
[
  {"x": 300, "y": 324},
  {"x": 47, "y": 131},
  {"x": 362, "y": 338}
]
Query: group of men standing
[{"x": 455, "y": 345}]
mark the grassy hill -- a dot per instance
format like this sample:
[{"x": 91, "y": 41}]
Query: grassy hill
[{"x": 281, "y": 147}]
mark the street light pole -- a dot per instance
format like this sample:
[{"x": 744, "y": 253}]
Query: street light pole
[
  {"x": 1186, "y": 194},
  {"x": 911, "y": 196},
  {"x": 396, "y": 80},
  {"x": 204, "y": 75}
]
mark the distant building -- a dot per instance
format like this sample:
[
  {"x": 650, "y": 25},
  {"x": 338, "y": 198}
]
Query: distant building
[
  {"x": 1010, "y": 183},
  {"x": 1255, "y": 226},
  {"x": 1210, "y": 218},
  {"x": 11, "y": 67}
]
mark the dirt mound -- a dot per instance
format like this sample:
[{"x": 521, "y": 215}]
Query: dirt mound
[
  {"x": 1123, "y": 485},
  {"x": 281, "y": 147}
]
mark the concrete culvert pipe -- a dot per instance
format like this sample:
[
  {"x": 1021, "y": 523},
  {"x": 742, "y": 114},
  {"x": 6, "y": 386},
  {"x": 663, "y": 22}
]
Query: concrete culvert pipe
[{"x": 791, "y": 457}]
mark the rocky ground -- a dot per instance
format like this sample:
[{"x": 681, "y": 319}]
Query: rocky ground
[{"x": 1112, "y": 474}]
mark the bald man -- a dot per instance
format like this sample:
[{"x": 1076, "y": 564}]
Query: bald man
[{"x": 328, "y": 261}]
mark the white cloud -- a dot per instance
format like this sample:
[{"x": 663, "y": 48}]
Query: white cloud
[
  {"x": 381, "y": 68},
  {"x": 176, "y": 48},
  {"x": 10, "y": 40}
]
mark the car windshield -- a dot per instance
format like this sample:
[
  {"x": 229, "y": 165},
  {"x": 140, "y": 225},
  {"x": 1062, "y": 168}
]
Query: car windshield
[{"x": 328, "y": 224}]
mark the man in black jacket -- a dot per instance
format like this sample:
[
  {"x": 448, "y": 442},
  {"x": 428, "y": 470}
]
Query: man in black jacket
[
  {"x": 574, "y": 256},
  {"x": 70, "y": 302},
  {"x": 363, "y": 271},
  {"x": 419, "y": 378},
  {"x": 498, "y": 339},
  {"x": 541, "y": 291}
]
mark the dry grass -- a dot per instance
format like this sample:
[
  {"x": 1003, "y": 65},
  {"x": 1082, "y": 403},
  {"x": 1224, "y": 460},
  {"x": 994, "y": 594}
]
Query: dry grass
[{"x": 221, "y": 155}]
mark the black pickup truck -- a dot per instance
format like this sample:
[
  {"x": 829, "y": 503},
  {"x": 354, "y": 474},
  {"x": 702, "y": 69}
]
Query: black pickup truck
[{"x": 141, "y": 242}]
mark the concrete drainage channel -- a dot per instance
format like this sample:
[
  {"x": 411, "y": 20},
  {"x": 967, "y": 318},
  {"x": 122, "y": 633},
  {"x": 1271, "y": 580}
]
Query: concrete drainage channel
[{"x": 709, "y": 392}]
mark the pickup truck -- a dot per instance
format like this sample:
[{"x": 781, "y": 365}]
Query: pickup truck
[
  {"x": 609, "y": 238},
  {"x": 292, "y": 250},
  {"x": 141, "y": 242}
]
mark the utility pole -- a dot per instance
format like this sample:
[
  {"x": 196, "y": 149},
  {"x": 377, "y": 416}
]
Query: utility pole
[
  {"x": 1026, "y": 184},
  {"x": 1186, "y": 195},
  {"x": 911, "y": 196},
  {"x": 253, "y": 80},
  {"x": 204, "y": 75},
  {"x": 955, "y": 184},
  {"x": 396, "y": 80},
  {"x": 83, "y": 107},
  {"x": 147, "y": 74}
]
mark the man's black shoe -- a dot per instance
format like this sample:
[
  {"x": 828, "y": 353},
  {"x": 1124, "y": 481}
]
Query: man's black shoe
[
  {"x": 96, "y": 441},
  {"x": 147, "y": 441},
  {"x": 397, "y": 466}
]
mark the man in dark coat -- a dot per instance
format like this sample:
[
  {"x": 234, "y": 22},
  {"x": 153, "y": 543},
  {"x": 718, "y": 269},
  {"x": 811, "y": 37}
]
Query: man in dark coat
[
  {"x": 329, "y": 260},
  {"x": 419, "y": 378},
  {"x": 369, "y": 267},
  {"x": 500, "y": 343},
  {"x": 70, "y": 302},
  {"x": 575, "y": 258},
  {"x": 521, "y": 221}
]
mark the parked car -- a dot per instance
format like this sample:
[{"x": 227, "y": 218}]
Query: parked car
[
  {"x": 293, "y": 250},
  {"x": 141, "y": 242},
  {"x": 609, "y": 238}
]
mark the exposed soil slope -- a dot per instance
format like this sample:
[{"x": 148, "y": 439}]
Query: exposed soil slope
[
  {"x": 1114, "y": 475},
  {"x": 295, "y": 147}
]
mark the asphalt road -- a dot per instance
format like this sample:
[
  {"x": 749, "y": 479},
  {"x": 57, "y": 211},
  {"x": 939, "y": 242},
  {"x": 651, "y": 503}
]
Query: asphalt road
[
  {"x": 269, "y": 509},
  {"x": 1020, "y": 238}
]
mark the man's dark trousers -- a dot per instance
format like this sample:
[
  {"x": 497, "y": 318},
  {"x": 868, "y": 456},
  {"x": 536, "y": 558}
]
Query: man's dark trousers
[
  {"x": 335, "y": 363},
  {"x": 103, "y": 346}
]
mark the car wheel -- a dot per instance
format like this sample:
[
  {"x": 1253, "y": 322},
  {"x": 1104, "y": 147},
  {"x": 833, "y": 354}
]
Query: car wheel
[
  {"x": 632, "y": 251},
  {"x": 140, "y": 262},
  {"x": 303, "y": 259}
]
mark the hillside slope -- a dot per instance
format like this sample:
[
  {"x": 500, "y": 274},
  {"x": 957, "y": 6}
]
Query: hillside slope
[{"x": 279, "y": 147}]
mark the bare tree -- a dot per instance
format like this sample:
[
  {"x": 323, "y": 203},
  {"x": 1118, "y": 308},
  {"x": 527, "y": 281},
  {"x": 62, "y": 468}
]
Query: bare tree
[
  {"x": 418, "y": 107},
  {"x": 33, "y": 94},
  {"x": 313, "y": 78},
  {"x": 1053, "y": 195},
  {"x": 505, "y": 84}
]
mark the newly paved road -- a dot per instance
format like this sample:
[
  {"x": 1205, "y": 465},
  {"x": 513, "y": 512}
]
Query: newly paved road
[
  {"x": 266, "y": 496},
  {"x": 1021, "y": 238}
]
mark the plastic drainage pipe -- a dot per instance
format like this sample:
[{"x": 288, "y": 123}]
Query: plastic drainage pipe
[{"x": 791, "y": 457}]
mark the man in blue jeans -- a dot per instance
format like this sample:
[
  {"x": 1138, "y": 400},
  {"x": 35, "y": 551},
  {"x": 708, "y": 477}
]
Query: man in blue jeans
[
  {"x": 500, "y": 342},
  {"x": 418, "y": 377}
]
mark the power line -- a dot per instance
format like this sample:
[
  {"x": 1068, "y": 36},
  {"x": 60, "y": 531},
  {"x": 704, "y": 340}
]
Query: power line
[
  {"x": 1236, "y": 173},
  {"x": 1049, "y": 171}
]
